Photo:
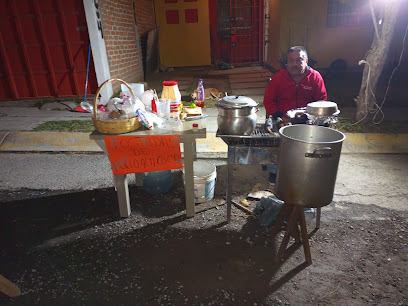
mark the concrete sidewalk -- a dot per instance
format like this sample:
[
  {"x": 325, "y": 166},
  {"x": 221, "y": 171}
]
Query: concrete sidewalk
[{"x": 17, "y": 123}]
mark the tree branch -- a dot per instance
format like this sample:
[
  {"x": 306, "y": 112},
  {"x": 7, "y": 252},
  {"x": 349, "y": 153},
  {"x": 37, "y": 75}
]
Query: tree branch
[{"x": 374, "y": 20}]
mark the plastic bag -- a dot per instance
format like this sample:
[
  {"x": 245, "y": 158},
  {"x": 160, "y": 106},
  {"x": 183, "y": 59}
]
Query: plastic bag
[
  {"x": 267, "y": 210},
  {"x": 144, "y": 119},
  {"x": 113, "y": 104},
  {"x": 147, "y": 98},
  {"x": 156, "y": 119},
  {"x": 130, "y": 104},
  {"x": 87, "y": 106}
]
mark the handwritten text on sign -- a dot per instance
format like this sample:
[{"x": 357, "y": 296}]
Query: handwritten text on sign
[{"x": 134, "y": 154}]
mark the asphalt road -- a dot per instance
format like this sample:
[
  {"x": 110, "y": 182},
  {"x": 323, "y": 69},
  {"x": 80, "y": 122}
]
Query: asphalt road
[{"x": 378, "y": 179}]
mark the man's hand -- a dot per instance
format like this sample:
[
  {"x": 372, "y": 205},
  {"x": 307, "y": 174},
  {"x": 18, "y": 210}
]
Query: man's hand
[{"x": 286, "y": 119}]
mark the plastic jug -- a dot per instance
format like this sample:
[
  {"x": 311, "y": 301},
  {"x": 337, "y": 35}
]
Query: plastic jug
[{"x": 172, "y": 92}]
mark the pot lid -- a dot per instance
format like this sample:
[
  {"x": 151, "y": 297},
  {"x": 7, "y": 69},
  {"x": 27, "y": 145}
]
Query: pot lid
[
  {"x": 321, "y": 108},
  {"x": 236, "y": 102}
]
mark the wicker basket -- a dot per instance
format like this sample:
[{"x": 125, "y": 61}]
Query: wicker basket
[{"x": 113, "y": 126}]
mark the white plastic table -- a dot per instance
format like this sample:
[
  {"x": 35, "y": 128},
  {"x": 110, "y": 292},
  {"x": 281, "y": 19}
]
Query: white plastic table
[{"x": 187, "y": 137}]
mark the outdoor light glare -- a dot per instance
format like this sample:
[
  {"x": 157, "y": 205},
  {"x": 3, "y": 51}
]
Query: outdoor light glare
[{"x": 380, "y": 21}]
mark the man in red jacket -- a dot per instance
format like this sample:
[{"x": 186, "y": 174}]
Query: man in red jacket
[{"x": 294, "y": 86}]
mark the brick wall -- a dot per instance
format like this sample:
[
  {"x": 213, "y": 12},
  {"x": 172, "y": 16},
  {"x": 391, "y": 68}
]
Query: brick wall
[
  {"x": 146, "y": 20},
  {"x": 122, "y": 41}
]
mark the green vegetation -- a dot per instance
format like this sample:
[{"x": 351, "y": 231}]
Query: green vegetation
[
  {"x": 346, "y": 125},
  {"x": 85, "y": 126},
  {"x": 116, "y": 94}
]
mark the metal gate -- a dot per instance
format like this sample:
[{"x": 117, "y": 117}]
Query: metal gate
[
  {"x": 237, "y": 31},
  {"x": 44, "y": 49}
]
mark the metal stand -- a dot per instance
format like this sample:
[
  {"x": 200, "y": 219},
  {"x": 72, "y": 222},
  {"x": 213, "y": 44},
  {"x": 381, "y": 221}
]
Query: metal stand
[
  {"x": 260, "y": 148},
  {"x": 245, "y": 155}
]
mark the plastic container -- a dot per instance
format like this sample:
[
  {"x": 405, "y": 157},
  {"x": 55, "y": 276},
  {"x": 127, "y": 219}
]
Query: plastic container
[
  {"x": 157, "y": 182},
  {"x": 310, "y": 213},
  {"x": 172, "y": 92},
  {"x": 205, "y": 175},
  {"x": 200, "y": 94},
  {"x": 138, "y": 89},
  {"x": 163, "y": 108}
]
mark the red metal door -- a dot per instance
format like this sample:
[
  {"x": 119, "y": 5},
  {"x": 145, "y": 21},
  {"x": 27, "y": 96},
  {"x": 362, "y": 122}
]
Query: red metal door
[
  {"x": 236, "y": 31},
  {"x": 44, "y": 49}
]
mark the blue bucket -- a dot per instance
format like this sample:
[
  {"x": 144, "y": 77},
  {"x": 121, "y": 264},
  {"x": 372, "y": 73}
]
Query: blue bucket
[{"x": 157, "y": 182}]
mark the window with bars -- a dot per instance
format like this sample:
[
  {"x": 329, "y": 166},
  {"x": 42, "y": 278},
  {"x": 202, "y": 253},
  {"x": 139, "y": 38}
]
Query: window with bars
[{"x": 348, "y": 13}]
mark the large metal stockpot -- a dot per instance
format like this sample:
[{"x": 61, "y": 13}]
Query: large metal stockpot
[
  {"x": 308, "y": 160},
  {"x": 236, "y": 115}
]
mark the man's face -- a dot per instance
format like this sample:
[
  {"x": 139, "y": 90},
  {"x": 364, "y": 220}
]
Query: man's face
[{"x": 296, "y": 64}]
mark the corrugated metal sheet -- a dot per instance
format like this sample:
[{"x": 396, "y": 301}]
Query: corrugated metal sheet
[{"x": 44, "y": 49}]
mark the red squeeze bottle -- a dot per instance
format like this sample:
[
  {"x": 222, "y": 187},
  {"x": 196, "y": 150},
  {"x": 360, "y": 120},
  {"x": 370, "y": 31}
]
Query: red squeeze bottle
[{"x": 154, "y": 107}]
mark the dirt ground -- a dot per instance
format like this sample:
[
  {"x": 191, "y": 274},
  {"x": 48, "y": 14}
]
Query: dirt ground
[{"x": 71, "y": 248}]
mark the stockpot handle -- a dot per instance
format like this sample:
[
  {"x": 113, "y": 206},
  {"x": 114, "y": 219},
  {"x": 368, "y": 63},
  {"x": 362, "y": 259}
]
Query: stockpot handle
[{"x": 324, "y": 152}]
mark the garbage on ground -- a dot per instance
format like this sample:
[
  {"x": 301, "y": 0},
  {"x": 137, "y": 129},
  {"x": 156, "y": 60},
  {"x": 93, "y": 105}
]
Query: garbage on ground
[
  {"x": 245, "y": 202},
  {"x": 86, "y": 106},
  {"x": 242, "y": 207},
  {"x": 310, "y": 213},
  {"x": 267, "y": 210},
  {"x": 259, "y": 191},
  {"x": 81, "y": 110}
]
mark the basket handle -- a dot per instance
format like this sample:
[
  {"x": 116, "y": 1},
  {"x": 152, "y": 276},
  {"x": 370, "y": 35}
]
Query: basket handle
[{"x": 95, "y": 113}]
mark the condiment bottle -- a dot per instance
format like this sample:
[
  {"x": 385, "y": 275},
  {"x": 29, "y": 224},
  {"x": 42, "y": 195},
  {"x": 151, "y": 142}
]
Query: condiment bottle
[
  {"x": 200, "y": 94},
  {"x": 172, "y": 92}
]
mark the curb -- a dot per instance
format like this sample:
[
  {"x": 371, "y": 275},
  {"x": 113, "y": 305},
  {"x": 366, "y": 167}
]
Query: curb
[
  {"x": 375, "y": 143},
  {"x": 211, "y": 146},
  {"x": 47, "y": 141}
]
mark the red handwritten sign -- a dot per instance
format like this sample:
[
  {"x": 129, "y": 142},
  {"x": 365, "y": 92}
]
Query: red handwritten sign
[{"x": 134, "y": 154}]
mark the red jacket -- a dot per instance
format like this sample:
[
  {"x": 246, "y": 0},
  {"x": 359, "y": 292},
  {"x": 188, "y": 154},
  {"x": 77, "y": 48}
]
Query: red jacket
[{"x": 282, "y": 93}]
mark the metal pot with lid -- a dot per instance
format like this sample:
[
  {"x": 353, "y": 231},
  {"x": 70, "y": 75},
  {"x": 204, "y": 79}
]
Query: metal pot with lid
[
  {"x": 322, "y": 108},
  {"x": 236, "y": 115},
  {"x": 323, "y": 113}
]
